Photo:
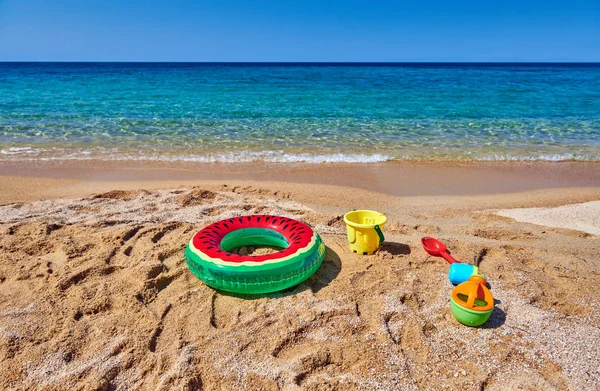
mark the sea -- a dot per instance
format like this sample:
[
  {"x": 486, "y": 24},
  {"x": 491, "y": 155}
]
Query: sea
[{"x": 299, "y": 112}]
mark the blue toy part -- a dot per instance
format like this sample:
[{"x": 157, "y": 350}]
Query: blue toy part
[{"x": 461, "y": 272}]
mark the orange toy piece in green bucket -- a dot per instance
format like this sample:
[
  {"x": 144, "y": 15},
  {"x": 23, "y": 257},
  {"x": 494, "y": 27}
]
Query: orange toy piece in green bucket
[{"x": 472, "y": 302}]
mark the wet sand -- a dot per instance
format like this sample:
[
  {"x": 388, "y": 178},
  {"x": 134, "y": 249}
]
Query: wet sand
[{"x": 396, "y": 178}]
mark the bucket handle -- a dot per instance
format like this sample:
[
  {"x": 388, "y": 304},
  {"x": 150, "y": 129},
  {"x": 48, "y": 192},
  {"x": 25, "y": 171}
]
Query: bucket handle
[{"x": 379, "y": 233}]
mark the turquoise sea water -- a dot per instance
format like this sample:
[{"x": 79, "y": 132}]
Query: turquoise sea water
[{"x": 299, "y": 112}]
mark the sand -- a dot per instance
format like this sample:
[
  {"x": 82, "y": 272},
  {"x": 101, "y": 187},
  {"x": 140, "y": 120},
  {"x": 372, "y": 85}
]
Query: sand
[
  {"x": 397, "y": 178},
  {"x": 583, "y": 217},
  {"x": 95, "y": 293}
]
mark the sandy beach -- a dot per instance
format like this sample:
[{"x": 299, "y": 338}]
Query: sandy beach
[
  {"x": 164, "y": 164},
  {"x": 95, "y": 293}
]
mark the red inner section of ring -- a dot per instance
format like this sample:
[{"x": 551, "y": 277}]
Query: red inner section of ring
[{"x": 208, "y": 240}]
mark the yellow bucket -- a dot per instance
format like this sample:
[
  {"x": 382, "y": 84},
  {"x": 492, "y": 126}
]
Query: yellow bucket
[{"x": 364, "y": 230}]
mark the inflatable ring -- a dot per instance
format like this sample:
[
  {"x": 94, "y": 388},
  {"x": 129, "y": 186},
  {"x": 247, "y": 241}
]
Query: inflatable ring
[{"x": 208, "y": 254}]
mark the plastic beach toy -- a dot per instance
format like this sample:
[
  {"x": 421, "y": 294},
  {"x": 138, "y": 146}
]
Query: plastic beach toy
[
  {"x": 472, "y": 302},
  {"x": 437, "y": 249},
  {"x": 209, "y": 256},
  {"x": 363, "y": 228},
  {"x": 461, "y": 272}
]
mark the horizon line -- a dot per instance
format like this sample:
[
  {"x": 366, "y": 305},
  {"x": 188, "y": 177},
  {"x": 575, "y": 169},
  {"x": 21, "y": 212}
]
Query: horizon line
[{"x": 297, "y": 62}]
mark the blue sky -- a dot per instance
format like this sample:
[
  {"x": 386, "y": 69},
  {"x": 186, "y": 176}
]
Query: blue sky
[{"x": 352, "y": 30}]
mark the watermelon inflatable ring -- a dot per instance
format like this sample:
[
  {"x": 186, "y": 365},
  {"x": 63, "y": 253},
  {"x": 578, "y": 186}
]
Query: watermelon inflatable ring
[{"x": 208, "y": 254}]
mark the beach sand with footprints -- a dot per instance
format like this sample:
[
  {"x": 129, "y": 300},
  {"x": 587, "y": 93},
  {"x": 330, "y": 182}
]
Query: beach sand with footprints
[{"x": 95, "y": 293}]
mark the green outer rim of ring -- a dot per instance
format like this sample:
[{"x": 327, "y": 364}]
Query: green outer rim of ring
[{"x": 260, "y": 278}]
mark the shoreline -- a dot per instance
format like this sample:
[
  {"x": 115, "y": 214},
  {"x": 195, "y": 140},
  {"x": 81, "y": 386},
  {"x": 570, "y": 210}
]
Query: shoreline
[{"x": 204, "y": 154}]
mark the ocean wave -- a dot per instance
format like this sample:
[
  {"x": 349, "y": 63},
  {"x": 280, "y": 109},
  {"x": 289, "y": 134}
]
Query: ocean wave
[
  {"x": 42, "y": 154},
  {"x": 270, "y": 157},
  {"x": 552, "y": 157},
  {"x": 20, "y": 151},
  {"x": 280, "y": 156}
]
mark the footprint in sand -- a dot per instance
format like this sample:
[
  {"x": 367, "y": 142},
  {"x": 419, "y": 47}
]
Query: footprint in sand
[{"x": 225, "y": 311}]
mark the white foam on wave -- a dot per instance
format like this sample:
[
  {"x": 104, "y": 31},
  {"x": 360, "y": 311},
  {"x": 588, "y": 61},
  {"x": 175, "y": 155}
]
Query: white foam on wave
[
  {"x": 541, "y": 157},
  {"x": 225, "y": 157},
  {"x": 115, "y": 154},
  {"x": 273, "y": 157},
  {"x": 20, "y": 151}
]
